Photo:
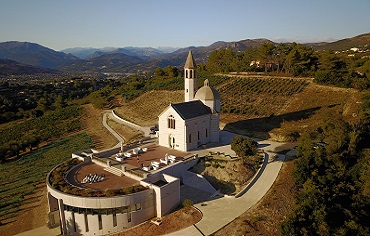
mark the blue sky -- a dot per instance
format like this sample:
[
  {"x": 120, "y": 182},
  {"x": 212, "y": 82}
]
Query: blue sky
[{"x": 178, "y": 23}]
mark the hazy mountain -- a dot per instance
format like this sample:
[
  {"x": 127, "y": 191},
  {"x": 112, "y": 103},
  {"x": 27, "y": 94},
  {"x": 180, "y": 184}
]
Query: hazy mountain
[
  {"x": 34, "y": 54},
  {"x": 89, "y": 53},
  {"x": 136, "y": 59},
  {"x": 9, "y": 67},
  {"x": 83, "y": 53},
  {"x": 167, "y": 49},
  {"x": 147, "y": 59},
  {"x": 107, "y": 62},
  {"x": 178, "y": 57}
]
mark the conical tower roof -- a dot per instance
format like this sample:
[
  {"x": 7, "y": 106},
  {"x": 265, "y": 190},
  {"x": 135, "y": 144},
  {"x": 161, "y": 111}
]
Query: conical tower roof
[{"x": 190, "y": 63}]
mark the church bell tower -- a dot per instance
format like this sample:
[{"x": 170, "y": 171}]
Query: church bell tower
[{"x": 190, "y": 77}]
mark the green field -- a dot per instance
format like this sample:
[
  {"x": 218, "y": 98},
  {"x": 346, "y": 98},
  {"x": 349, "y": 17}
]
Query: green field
[{"x": 19, "y": 178}]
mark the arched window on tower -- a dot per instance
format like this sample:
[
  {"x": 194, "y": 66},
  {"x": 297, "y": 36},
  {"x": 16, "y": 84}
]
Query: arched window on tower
[
  {"x": 171, "y": 122},
  {"x": 186, "y": 73},
  {"x": 191, "y": 74}
]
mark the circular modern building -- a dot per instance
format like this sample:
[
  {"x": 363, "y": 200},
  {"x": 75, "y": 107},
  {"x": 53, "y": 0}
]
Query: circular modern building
[{"x": 95, "y": 194}]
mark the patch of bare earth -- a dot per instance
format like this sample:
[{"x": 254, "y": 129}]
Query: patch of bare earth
[
  {"x": 265, "y": 217},
  {"x": 145, "y": 109},
  {"x": 175, "y": 221},
  {"x": 32, "y": 213},
  {"x": 92, "y": 124}
]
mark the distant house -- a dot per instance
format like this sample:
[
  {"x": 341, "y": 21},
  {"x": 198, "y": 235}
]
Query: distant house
[{"x": 255, "y": 63}]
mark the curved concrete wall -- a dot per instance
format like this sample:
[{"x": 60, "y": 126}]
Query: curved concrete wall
[{"x": 76, "y": 223}]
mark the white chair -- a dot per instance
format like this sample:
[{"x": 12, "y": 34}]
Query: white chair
[
  {"x": 136, "y": 151},
  {"x": 155, "y": 165},
  {"x": 164, "y": 161},
  {"x": 127, "y": 154},
  {"x": 172, "y": 158}
]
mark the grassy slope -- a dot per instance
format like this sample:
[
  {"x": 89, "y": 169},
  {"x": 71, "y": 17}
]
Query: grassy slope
[
  {"x": 21, "y": 178},
  {"x": 276, "y": 115},
  {"x": 145, "y": 109}
]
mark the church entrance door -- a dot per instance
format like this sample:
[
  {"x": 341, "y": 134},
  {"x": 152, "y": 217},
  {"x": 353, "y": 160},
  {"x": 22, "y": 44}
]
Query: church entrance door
[{"x": 171, "y": 141}]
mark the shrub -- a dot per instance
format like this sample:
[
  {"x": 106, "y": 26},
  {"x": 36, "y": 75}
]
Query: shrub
[
  {"x": 187, "y": 203},
  {"x": 243, "y": 146}
]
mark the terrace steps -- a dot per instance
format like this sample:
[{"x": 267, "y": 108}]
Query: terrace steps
[{"x": 114, "y": 171}]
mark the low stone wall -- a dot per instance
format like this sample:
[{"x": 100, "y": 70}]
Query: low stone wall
[{"x": 128, "y": 123}]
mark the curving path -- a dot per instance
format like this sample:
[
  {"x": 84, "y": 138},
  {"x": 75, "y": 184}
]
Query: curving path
[
  {"x": 112, "y": 131},
  {"x": 111, "y": 115},
  {"x": 219, "y": 212}
]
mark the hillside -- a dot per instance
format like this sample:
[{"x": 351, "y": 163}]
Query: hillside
[
  {"x": 9, "y": 67},
  {"x": 277, "y": 108},
  {"x": 359, "y": 41},
  {"x": 145, "y": 109},
  {"x": 106, "y": 62},
  {"x": 34, "y": 54},
  {"x": 272, "y": 109}
]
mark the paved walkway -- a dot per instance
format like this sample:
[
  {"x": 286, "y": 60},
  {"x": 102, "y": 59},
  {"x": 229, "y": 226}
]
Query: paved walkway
[
  {"x": 112, "y": 131},
  {"x": 219, "y": 212}
]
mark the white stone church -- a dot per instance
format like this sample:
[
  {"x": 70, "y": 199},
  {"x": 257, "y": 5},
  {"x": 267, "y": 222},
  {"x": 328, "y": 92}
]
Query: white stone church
[{"x": 195, "y": 122}]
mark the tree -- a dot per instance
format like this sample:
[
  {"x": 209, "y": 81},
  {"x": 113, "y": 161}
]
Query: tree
[
  {"x": 59, "y": 102},
  {"x": 171, "y": 71},
  {"x": 158, "y": 72},
  {"x": 243, "y": 146}
]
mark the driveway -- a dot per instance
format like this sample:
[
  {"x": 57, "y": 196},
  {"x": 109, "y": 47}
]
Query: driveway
[{"x": 219, "y": 212}]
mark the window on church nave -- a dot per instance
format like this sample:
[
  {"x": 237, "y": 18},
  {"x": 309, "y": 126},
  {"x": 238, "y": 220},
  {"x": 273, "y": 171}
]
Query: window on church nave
[
  {"x": 171, "y": 122},
  {"x": 189, "y": 138}
]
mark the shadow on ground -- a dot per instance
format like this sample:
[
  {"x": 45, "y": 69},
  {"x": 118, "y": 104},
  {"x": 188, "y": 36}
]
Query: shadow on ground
[{"x": 264, "y": 125}]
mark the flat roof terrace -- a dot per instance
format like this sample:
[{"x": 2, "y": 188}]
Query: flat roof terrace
[
  {"x": 154, "y": 153},
  {"x": 110, "y": 181}
]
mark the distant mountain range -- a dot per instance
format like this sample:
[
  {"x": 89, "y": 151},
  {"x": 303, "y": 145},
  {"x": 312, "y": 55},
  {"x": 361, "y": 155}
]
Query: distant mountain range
[
  {"x": 34, "y": 54},
  {"x": 143, "y": 52},
  {"x": 134, "y": 59}
]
